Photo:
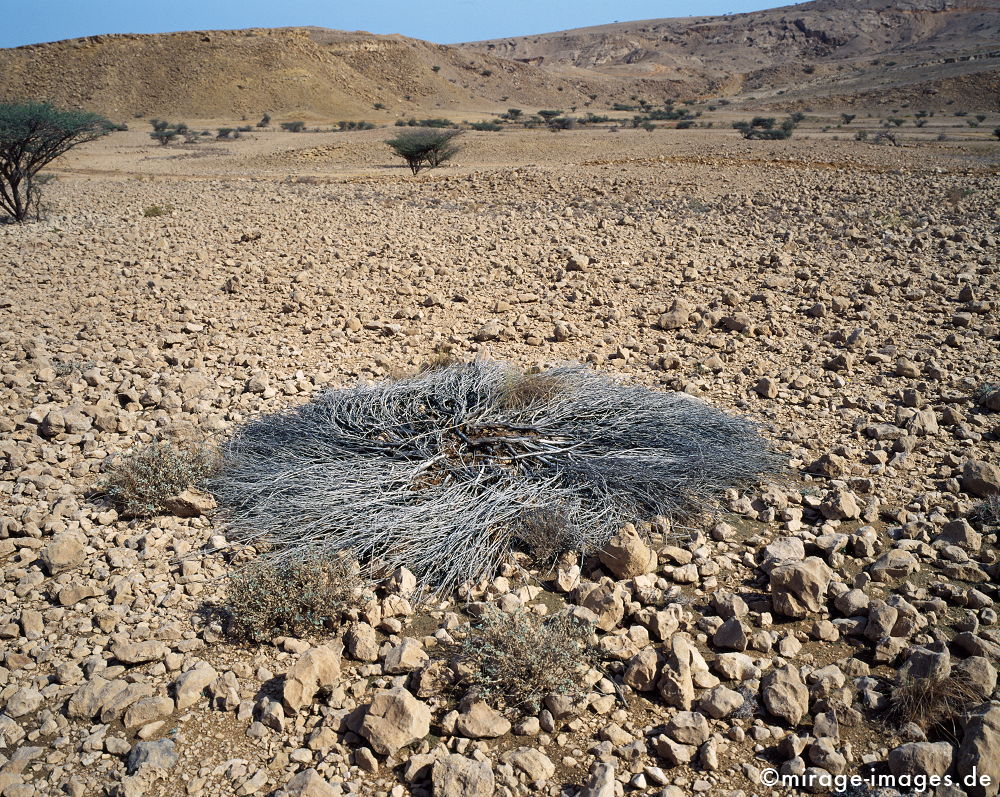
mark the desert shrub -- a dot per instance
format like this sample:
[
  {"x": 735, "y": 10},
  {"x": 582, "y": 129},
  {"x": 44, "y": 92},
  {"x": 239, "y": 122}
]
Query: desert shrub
[
  {"x": 436, "y": 472},
  {"x": 379, "y": 106},
  {"x": 164, "y": 137},
  {"x": 544, "y": 533},
  {"x": 847, "y": 118},
  {"x": 486, "y": 72},
  {"x": 548, "y": 116},
  {"x": 562, "y": 123},
  {"x": 486, "y": 126},
  {"x": 649, "y": 127},
  {"x": 32, "y": 135},
  {"x": 996, "y": 132},
  {"x": 224, "y": 132},
  {"x": 293, "y": 127},
  {"x": 265, "y": 120},
  {"x": 424, "y": 148},
  {"x": 987, "y": 395},
  {"x": 515, "y": 659},
  {"x": 885, "y": 137},
  {"x": 763, "y": 127},
  {"x": 265, "y": 599},
  {"x": 154, "y": 211},
  {"x": 435, "y": 68},
  {"x": 685, "y": 124},
  {"x": 513, "y": 114},
  {"x": 931, "y": 702},
  {"x": 141, "y": 481},
  {"x": 987, "y": 511}
]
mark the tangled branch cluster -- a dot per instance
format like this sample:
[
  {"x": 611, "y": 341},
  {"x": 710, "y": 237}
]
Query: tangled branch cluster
[{"x": 443, "y": 472}]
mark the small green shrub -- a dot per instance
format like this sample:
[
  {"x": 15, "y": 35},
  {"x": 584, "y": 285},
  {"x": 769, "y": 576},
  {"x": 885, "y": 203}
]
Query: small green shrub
[
  {"x": 264, "y": 121},
  {"x": 265, "y": 599},
  {"x": 224, "y": 132},
  {"x": 293, "y": 127},
  {"x": 154, "y": 211},
  {"x": 515, "y": 659},
  {"x": 487, "y": 126},
  {"x": 141, "y": 481}
]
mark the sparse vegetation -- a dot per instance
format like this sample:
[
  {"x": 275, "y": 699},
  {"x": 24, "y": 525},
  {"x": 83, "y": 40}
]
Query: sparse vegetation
[
  {"x": 264, "y": 121},
  {"x": 424, "y": 148},
  {"x": 154, "y": 211},
  {"x": 32, "y": 135},
  {"x": 265, "y": 599},
  {"x": 515, "y": 659},
  {"x": 486, "y": 125},
  {"x": 293, "y": 127},
  {"x": 141, "y": 481}
]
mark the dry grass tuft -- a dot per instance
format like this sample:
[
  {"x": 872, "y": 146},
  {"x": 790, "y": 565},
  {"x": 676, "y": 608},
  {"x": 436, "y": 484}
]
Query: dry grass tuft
[{"x": 932, "y": 702}]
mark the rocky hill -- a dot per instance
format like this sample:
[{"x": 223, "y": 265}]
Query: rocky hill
[
  {"x": 816, "y": 48},
  {"x": 284, "y": 70}
]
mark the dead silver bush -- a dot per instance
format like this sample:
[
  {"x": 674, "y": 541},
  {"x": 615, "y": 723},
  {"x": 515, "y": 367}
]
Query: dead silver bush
[{"x": 439, "y": 472}]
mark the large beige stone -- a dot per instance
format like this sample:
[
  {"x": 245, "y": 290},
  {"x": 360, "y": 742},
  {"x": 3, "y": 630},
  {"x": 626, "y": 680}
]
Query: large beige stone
[
  {"x": 627, "y": 555},
  {"x": 393, "y": 720},
  {"x": 315, "y": 669}
]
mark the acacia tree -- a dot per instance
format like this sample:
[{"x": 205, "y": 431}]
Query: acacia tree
[
  {"x": 424, "y": 147},
  {"x": 32, "y": 135}
]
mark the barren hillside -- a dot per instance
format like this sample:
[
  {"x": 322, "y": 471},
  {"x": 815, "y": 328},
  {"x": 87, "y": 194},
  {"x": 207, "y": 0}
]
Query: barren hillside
[
  {"x": 823, "y": 47},
  {"x": 284, "y": 70}
]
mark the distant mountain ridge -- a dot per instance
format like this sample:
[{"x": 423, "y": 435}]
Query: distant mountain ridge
[{"x": 930, "y": 52}]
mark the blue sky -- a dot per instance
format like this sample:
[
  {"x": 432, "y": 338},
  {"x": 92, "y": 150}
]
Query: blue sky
[{"x": 443, "y": 21}]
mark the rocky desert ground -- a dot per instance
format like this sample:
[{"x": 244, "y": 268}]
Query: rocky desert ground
[{"x": 842, "y": 294}]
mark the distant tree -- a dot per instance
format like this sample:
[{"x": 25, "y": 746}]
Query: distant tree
[
  {"x": 513, "y": 114},
  {"x": 548, "y": 116},
  {"x": 164, "y": 136},
  {"x": 424, "y": 148},
  {"x": 847, "y": 118},
  {"x": 435, "y": 68},
  {"x": 561, "y": 123},
  {"x": 649, "y": 127},
  {"x": 32, "y": 135},
  {"x": 293, "y": 127},
  {"x": 224, "y": 132},
  {"x": 265, "y": 121}
]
